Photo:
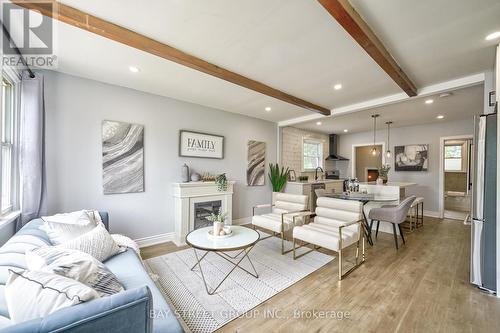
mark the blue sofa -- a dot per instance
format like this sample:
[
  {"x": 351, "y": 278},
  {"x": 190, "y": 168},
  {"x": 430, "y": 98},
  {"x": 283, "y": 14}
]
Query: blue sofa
[{"x": 140, "y": 308}]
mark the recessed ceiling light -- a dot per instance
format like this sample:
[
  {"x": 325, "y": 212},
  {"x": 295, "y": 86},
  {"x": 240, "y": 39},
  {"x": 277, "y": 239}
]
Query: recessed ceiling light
[
  {"x": 346, "y": 130},
  {"x": 429, "y": 101},
  {"x": 268, "y": 108},
  {"x": 134, "y": 69},
  {"x": 446, "y": 94},
  {"x": 440, "y": 116},
  {"x": 338, "y": 86},
  {"x": 492, "y": 36},
  {"x": 318, "y": 123}
]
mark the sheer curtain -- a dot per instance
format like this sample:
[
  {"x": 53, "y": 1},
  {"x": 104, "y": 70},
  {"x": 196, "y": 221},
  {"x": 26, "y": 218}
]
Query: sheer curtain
[{"x": 32, "y": 148}]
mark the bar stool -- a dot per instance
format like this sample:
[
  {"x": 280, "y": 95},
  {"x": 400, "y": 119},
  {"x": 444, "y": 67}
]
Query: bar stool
[
  {"x": 418, "y": 212},
  {"x": 416, "y": 215}
]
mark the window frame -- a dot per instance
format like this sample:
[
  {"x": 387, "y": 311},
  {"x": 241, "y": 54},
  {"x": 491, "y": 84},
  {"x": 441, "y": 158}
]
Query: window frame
[
  {"x": 14, "y": 79},
  {"x": 462, "y": 158},
  {"x": 320, "y": 150}
]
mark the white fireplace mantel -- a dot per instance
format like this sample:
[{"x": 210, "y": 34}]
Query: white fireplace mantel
[{"x": 185, "y": 197}]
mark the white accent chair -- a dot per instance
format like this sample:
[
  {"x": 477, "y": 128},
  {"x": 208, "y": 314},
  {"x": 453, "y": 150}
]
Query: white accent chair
[
  {"x": 281, "y": 218},
  {"x": 337, "y": 225}
]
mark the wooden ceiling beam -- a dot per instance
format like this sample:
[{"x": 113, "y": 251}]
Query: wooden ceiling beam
[
  {"x": 353, "y": 23},
  {"x": 101, "y": 27}
]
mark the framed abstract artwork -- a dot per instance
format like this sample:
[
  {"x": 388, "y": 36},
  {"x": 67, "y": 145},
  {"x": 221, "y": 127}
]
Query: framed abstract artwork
[
  {"x": 411, "y": 157},
  {"x": 122, "y": 157},
  {"x": 256, "y": 161}
]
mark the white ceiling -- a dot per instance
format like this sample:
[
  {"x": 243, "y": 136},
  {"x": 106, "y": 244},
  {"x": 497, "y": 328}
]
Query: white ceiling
[
  {"x": 461, "y": 104},
  {"x": 438, "y": 40},
  {"x": 291, "y": 45}
]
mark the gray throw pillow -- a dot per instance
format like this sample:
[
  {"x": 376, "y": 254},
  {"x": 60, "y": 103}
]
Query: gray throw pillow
[{"x": 75, "y": 265}]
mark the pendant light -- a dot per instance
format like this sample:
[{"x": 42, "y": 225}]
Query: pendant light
[
  {"x": 388, "y": 152},
  {"x": 374, "y": 151}
]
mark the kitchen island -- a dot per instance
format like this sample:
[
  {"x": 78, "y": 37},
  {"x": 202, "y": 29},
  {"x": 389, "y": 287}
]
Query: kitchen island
[
  {"x": 391, "y": 189},
  {"x": 307, "y": 188},
  {"x": 394, "y": 190}
]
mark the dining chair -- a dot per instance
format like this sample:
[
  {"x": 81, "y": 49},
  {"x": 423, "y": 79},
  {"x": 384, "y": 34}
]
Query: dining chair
[{"x": 395, "y": 215}]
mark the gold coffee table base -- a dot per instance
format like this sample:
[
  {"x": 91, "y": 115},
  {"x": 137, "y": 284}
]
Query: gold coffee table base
[{"x": 228, "y": 258}]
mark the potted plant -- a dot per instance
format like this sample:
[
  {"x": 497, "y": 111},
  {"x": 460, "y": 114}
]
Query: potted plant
[
  {"x": 278, "y": 177},
  {"x": 221, "y": 182},
  {"x": 218, "y": 221},
  {"x": 383, "y": 172}
]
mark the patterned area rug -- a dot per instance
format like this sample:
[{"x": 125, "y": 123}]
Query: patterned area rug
[{"x": 240, "y": 292}]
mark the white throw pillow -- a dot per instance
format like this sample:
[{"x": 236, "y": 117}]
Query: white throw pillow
[
  {"x": 124, "y": 241},
  {"x": 63, "y": 227},
  {"x": 75, "y": 265},
  {"x": 34, "y": 294},
  {"x": 97, "y": 242},
  {"x": 80, "y": 217}
]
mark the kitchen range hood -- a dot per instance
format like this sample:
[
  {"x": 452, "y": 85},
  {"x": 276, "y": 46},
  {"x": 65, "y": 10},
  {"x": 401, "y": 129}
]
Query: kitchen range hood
[{"x": 333, "y": 156}]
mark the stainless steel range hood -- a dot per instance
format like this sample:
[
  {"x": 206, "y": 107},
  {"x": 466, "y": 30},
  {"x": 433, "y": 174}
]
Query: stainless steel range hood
[{"x": 333, "y": 156}]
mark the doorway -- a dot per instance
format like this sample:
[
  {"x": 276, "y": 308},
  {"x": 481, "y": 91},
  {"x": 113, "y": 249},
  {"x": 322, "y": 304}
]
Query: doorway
[
  {"x": 365, "y": 166},
  {"x": 455, "y": 177}
]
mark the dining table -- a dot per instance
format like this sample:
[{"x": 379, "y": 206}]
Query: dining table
[{"x": 364, "y": 198}]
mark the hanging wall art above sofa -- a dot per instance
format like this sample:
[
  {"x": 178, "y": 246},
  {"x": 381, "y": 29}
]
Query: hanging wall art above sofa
[{"x": 122, "y": 157}]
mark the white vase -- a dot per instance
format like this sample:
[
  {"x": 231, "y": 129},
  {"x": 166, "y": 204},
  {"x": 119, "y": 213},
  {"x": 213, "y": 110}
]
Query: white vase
[
  {"x": 380, "y": 181},
  {"x": 217, "y": 228}
]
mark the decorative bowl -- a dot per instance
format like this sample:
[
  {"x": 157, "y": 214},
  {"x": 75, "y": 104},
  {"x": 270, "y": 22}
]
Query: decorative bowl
[{"x": 211, "y": 234}]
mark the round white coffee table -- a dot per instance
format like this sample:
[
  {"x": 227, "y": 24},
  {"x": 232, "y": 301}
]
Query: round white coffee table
[{"x": 243, "y": 239}]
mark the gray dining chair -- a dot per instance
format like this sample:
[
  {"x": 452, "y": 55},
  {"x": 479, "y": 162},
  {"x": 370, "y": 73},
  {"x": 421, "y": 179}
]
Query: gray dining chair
[{"x": 394, "y": 214}]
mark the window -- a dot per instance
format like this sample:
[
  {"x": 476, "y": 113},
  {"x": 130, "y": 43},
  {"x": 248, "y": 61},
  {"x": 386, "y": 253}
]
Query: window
[
  {"x": 312, "y": 154},
  {"x": 8, "y": 129},
  {"x": 453, "y": 158}
]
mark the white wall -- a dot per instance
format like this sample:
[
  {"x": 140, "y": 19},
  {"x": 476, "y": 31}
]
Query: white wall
[
  {"x": 423, "y": 134},
  {"x": 75, "y": 108}
]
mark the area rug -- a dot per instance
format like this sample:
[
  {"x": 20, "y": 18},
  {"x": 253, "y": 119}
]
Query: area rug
[{"x": 239, "y": 293}]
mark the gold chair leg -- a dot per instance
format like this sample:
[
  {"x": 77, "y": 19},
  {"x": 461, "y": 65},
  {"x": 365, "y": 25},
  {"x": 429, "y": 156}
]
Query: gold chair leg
[
  {"x": 357, "y": 252},
  {"x": 282, "y": 243},
  {"x": 341, "y": 274},
  {"x": 363, "y": 246},
  {"x": 283, "y": 252},
  {"x": 340, "y": 264}
]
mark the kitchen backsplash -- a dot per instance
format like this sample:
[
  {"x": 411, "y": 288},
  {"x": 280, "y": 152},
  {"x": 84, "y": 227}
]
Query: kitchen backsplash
[{"x": 292, "y": 139}]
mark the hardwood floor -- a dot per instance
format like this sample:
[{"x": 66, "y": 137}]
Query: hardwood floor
[{"x": 422, "y": 287}]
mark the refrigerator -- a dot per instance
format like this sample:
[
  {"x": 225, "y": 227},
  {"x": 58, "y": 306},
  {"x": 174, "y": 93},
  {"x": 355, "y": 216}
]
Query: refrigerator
[{"x": 484, "y": 189}]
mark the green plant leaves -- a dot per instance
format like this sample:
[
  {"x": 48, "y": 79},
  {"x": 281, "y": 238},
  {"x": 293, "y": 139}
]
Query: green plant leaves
[
  {"x": 221, "y": 182},
  {"x": 278, "y": 177}
]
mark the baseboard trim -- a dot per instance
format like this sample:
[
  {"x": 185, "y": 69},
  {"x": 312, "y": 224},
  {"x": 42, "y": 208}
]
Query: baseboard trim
[
  {"x": 156, "y": 239},
  {"x": 242, "y": 221},
  {"x": 430, "y": 213},
  {"x": 455, "y": 216}
]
